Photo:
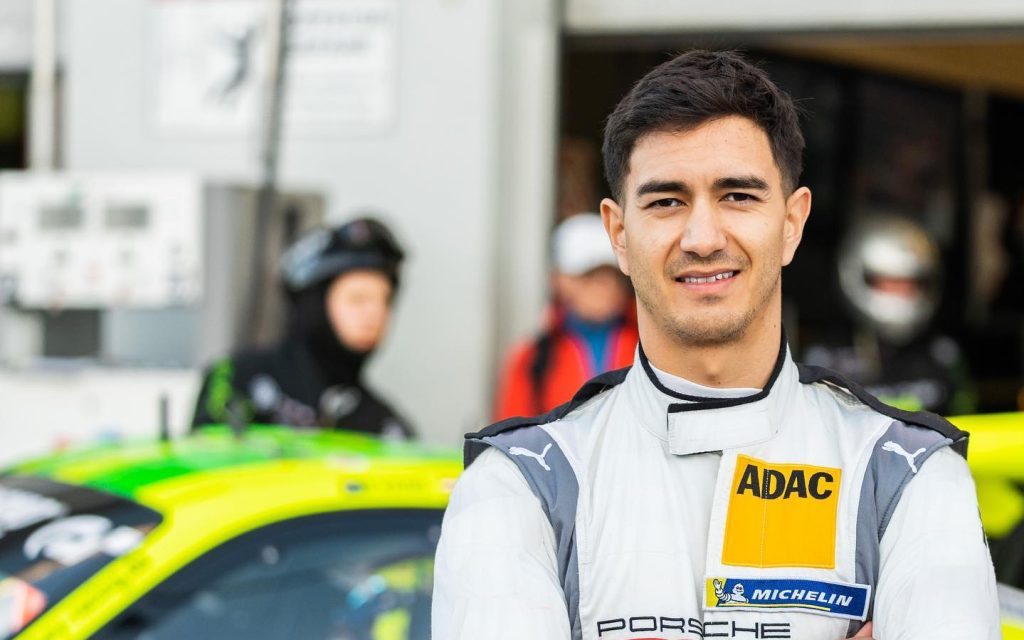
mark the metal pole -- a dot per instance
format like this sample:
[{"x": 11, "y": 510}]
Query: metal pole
[
  {"x": 165, "y": 418},
  {"x": 42, "y": 87},
  {"x": 278, "y": 16}
]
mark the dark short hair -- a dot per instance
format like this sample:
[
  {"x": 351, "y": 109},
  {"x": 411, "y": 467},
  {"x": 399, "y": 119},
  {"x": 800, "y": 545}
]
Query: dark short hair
[{"x": 696, "y": 87}]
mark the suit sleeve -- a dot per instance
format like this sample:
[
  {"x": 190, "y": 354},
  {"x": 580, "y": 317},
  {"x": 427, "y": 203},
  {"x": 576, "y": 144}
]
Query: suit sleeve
[
  {"x": 936, "y": 579},
  {"x": 495, "y": 574}
]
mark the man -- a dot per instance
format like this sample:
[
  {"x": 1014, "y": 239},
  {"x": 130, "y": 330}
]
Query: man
[
  {"x": 715, "y": 457},
  {"x": 341, "y": 286},
  {"x": 592, "y": 327}
]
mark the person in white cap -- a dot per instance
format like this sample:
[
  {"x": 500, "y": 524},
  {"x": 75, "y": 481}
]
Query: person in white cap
[{"x": 591, "y": 327}]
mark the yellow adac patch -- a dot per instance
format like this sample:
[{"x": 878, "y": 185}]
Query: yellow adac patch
[{"x": 781, "y": 515}]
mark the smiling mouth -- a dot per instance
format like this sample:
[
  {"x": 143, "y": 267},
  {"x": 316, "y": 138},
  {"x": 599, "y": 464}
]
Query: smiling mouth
[{"x": 713, "y": 277}]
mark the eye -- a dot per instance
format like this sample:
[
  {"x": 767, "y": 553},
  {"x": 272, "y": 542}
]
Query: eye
[
  {"x": 665, "y": 203},
  {"x": 739, "y": 196}
]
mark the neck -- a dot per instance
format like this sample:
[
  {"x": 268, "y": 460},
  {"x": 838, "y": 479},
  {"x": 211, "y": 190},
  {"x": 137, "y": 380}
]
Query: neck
[
  {"x": 336, "y": 363},
  {"x": 575, "y": 322},
  {"x": 746, "y": 361}
]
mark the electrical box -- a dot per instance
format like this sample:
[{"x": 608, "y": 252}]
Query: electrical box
[
  {"x": 145, "y": 268},
  {"x": 101, "y": 241}
]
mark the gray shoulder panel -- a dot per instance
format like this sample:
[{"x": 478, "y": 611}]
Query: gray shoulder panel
[
  {"x": 553, "y": 480},
  {"x": 895, "y": 459},
  {"x": 550, "y": 476}
]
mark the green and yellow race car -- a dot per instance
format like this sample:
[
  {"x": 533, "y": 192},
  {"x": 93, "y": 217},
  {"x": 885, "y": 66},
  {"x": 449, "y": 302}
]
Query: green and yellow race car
[
  {"x": 272, "y": 534},
  {"x": 276, "y": 533},
  {"x": 996, "y": 457}
]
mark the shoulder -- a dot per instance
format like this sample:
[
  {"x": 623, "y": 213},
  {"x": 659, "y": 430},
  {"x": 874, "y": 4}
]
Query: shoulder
[
  {"x": 521, "y": 352},
  {"x": 250, "y": 362},
  {"x": 493, "y": 504},
  {"x": 947, "y": 468},
  {"x": 943, "y": 485},
  {"x": 523, "y": 431},
  {"x": 389, "y": 422},
  {"x": 935, "y": 545},
  {"x": 850, "y": 399},
  {"x": 492, "y": 476},
  {"x": 525, "y": 352},
  {"x": 372, "y": 399}
]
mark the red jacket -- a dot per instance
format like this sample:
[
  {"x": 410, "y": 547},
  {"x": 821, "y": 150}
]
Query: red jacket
[{"x": 556, "y": 364}]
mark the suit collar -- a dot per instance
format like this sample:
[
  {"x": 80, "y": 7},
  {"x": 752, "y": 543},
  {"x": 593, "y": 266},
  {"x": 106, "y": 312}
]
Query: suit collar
[{"x": 695, "y": 424}]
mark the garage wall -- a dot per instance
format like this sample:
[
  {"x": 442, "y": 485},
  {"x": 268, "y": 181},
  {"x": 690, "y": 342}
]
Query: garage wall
[
  {"x": 15, "y": 35},
  {"x": 434, "y": 173}
]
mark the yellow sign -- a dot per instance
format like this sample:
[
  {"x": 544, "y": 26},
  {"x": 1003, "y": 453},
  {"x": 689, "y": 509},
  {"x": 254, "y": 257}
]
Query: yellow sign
[{"x": 781, "y": 515}]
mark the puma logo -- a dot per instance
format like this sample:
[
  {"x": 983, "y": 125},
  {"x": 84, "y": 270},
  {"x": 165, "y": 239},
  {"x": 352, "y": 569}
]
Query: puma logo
[
  {"x": 900, "y": 451},
  {"x": 520, "y": 451}
]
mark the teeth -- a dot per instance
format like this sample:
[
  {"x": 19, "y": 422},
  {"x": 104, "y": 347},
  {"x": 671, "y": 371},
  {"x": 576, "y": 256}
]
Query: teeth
[{"x": 717, "y": 276}]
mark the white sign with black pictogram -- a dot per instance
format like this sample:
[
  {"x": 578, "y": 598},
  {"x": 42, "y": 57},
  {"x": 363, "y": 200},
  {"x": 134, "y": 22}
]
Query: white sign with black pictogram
[{"x": 210, "y": 66}]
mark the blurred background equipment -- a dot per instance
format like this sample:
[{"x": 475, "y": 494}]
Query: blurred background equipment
[
  {"x": 123, "y": 255},
  {"x": 105, "y": 273}
]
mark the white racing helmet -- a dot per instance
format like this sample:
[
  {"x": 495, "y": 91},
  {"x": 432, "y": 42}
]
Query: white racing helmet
[{"x": 890, "y": 274}]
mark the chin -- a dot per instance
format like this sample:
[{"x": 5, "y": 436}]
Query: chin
[
  {"x": 361, "y": 346},
  {"x": 709, "y": 331}
]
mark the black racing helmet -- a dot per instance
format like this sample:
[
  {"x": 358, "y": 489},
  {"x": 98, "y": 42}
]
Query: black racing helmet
[{"x": 363, "y": 243}]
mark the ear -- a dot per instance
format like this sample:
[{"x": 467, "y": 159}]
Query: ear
[
  {"x": 615, "y": 225},
  {"x": 798, "y": 208}
]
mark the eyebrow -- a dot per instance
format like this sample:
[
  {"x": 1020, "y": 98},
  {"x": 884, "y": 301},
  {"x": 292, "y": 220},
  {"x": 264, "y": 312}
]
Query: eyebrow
[
  {"x": 662, "y": 186},
  {"x": 728, "y": 182},
  {"x": 741, "y": 182}
]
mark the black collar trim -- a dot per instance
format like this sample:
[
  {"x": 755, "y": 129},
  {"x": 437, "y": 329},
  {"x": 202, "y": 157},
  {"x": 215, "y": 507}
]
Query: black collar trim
[
  {"x": 811, "y": 374},
  {"x": 590, "y": 389},
  {"x": 653, "y": 377},
  {"x": 698, "y": 403}
]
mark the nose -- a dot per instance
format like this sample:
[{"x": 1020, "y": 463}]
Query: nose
[{"x": 702, "y": 233}]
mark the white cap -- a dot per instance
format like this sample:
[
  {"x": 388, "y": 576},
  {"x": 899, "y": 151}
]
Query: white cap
[{"x": 580, "y": 244}]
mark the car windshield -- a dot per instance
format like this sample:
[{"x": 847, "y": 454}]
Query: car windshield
[
  {"x": 54, "y": 537},
  {"x": 362, "y": 575}
]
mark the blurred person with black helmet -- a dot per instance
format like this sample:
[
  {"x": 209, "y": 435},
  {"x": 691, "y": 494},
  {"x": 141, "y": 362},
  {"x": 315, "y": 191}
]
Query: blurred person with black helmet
[
  {"x": 890, "y": 276},
  {"x": 341, "y": 284}
]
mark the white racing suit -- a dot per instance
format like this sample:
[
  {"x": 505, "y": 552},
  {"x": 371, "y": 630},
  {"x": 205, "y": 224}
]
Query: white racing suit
[{"x": 635, "y": 512}]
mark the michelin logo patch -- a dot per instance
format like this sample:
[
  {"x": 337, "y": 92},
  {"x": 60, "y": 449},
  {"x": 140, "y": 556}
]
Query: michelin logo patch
[{"x": 815, "y": 596}]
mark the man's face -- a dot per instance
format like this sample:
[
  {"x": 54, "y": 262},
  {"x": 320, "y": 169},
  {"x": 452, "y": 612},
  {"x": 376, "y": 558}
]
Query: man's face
[
  {"x": 359, "y": 307},
  {"x": 705, "y": 229}
]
